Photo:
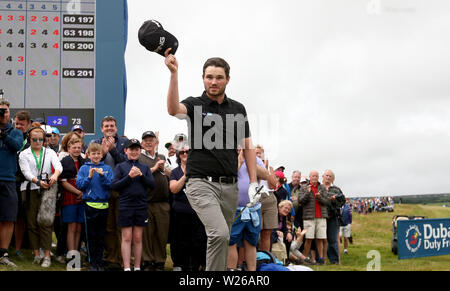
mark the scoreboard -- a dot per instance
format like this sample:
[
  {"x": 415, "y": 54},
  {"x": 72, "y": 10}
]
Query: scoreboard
[{"x": 49, "y": 65}]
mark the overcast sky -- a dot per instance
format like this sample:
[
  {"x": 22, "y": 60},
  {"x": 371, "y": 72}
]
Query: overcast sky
[{"x": 361, "y": 87}]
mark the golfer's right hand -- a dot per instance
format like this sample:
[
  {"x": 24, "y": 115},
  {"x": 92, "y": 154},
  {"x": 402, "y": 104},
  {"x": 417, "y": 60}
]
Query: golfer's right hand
[{"x": 171, "y": 61}]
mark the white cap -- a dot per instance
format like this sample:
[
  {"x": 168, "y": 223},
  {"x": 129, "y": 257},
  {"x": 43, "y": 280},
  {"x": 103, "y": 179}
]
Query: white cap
[{"x": 47, "y": 128}]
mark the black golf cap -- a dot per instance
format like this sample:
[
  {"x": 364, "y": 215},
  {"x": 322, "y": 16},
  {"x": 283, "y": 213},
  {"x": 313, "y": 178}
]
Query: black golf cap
[
  {"x": 155, "y": 39},
  {"x": 133, "y": 143}
]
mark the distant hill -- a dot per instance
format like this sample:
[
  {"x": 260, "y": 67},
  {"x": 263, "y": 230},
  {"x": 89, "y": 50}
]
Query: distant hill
[{"x": 423, "y": 199}]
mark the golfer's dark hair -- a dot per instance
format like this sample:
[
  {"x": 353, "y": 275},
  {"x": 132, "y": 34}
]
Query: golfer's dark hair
[{"x": 217, "y": 62}]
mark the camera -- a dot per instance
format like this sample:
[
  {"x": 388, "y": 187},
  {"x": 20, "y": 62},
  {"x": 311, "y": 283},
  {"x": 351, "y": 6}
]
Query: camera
[{"x": 44, "y": 177}]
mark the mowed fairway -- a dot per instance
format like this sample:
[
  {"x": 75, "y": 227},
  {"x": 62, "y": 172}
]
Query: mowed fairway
[{"x": 370, "y": 232}]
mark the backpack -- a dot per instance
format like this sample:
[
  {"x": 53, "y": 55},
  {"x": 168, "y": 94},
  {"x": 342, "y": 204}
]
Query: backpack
[
  {"x": 266, "y": 261},
  {"x": 265, "y": 257},
  {"x": 345, "y": 215}
]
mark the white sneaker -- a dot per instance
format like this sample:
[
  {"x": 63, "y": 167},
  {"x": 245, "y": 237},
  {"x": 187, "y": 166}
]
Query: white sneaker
[
  {"x": 46, "y": 262},
  {"x": 37, "y": 260},
  {"x": 5, "y": 261},
  {"x": 176, "y": 269}
]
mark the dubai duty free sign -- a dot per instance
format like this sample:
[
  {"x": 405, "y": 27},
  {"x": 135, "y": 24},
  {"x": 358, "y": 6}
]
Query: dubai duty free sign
[{"x": 423, "y": 238}]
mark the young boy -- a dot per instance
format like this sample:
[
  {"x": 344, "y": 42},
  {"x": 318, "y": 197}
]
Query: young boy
[
  {"x": 95, "y": 179},
  {"x": 72, "y": 209},
  {"x": 131, "y": 180}
]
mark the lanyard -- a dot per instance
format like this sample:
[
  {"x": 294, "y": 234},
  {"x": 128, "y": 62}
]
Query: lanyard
[
  {"x": 38, "y": 164},
  {"x": 23, "y": 145}
]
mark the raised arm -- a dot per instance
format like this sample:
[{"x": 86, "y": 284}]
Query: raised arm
[{"x": 174, "y": 107}]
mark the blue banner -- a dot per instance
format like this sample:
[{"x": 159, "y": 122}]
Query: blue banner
[
  {"x": 56, "y": 121},
  {"x": 423, "y": 238}
]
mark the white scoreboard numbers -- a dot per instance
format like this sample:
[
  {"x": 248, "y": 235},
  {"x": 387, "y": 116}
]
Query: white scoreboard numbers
[{"x": 48, "y": 59}]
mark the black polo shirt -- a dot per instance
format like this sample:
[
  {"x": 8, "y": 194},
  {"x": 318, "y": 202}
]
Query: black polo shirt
[{"x": 214, "y": 132}]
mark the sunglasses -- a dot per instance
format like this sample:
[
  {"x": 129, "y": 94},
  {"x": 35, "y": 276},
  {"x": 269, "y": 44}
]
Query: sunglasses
[
  {"x": 37, "y": 139},
  {"x": 183, "y": 152}
]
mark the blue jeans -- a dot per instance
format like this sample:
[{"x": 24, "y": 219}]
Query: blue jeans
[{"x": 332, "y": 233}]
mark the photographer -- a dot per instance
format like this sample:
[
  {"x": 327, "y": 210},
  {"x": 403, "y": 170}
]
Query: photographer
[
  {"x": 10, "y": 143},
  {"x": 337, "y": 199},
  {"x": 36, "y": 163}
]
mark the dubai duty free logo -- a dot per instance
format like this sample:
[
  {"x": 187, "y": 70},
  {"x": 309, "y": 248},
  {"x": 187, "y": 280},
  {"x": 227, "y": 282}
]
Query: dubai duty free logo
[{"x": 413, "y": 238}]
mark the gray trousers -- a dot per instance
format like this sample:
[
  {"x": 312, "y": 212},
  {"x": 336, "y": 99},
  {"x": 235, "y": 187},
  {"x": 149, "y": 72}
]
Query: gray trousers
[{"x": 215, "y": 205}]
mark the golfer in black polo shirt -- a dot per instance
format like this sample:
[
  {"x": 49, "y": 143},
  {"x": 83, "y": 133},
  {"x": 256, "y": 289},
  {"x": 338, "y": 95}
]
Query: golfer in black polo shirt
[{"x": 217, "y": 124}]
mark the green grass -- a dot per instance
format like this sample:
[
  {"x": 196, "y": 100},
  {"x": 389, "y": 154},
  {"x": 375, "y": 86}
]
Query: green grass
[
  {"x": 374, "y": 232},
  {"x": 26, "y": 264},
  {"x": 370, "y": 232}
]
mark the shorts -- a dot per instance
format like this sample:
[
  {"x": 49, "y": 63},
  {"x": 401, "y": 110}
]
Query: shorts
[
  {"x": 245, "y": 230},
  {"x": 132, "y": 217},
  {"x": 72, "y": 213},
  {"x": 346, "y": 230},
  {"x": 8, "y": 201},
  {"x": 316, "y": 228},
  {"x": 269, "y": 212}
]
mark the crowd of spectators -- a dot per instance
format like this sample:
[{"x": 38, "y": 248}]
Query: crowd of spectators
[
  {"x": 370, "y": 205},
  {"x": 117, "y": 195}
]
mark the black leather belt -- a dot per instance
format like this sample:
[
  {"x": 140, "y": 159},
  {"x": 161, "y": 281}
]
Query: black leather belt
[{"x": 221, "y": 179}]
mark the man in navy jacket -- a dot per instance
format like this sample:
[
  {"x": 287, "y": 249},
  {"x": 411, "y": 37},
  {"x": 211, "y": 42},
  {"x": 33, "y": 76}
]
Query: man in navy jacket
[{"x": 10, "y": 143}]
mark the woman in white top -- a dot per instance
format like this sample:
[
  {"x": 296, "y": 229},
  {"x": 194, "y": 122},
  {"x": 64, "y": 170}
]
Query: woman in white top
[{"x": 36, "y": 164}]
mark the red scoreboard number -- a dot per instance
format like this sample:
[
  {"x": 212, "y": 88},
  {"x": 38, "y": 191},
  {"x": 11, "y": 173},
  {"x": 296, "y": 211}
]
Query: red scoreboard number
[{"x": 31, "y": 43}]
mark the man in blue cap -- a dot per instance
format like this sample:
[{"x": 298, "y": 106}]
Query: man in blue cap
[{"x": 54, "y": 140}]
